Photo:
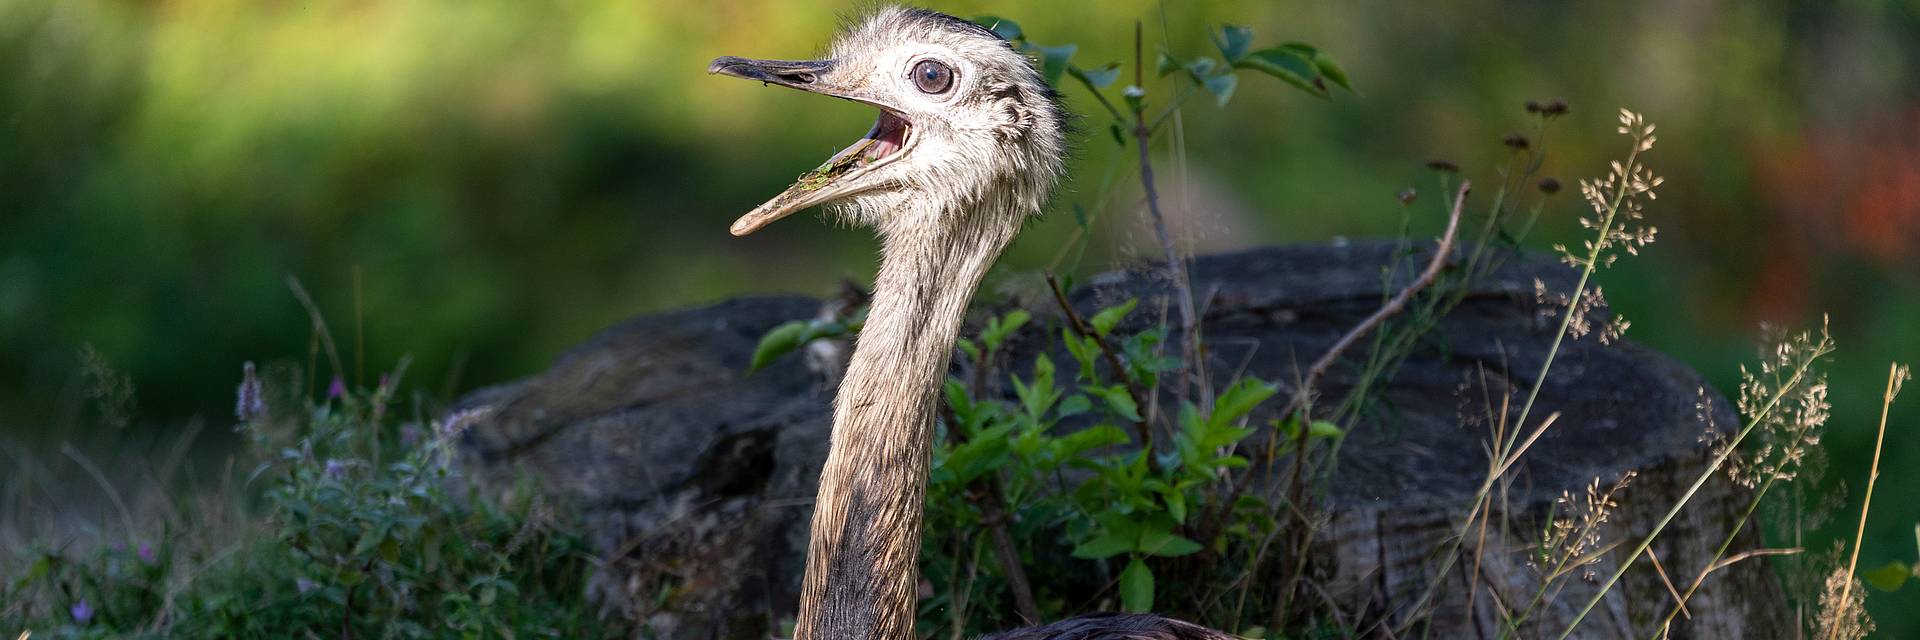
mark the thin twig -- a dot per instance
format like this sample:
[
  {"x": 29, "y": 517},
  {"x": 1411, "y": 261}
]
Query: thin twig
[
  {"x": 1662, "y": 570},
  {"x": 320, "y": 330},
  {"x": 126, "y": 516},
  {"x": 1085, "y": 330},
  {"x": 1303, "y": 389},
  {"x": 993, "y": 506},
  {"x": 1302, "y": 395},
  {"x": 993, "y": 514},
  {"x": 1392, "y": 307},
  {"x": 1752, "y": 553},
  {"x": 1895, "y": 375},
  {"x": 1143, "y": 134}
]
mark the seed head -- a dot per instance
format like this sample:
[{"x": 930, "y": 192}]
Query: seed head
[
  {"x": 251, "y": 406},
  {"x": 1443, "y": 165},
  {"x": 1516, "y": 142},
  {"x": 1407, "y": 196},
  {"x": 1549, "y": 185}
]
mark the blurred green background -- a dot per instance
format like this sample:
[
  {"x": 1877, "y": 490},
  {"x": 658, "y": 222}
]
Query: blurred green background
[{"x": 508, "y": 177}]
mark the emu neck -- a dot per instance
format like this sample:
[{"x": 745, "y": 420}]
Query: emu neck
[{"x": 862, "y": 579}]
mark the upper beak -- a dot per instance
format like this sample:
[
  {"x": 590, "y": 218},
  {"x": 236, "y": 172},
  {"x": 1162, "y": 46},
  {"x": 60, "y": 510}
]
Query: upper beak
[{"x": 806, "y": 75}]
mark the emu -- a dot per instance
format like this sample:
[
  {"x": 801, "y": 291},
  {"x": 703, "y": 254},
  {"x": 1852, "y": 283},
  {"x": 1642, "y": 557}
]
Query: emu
[{"x": 967, "y": 146}]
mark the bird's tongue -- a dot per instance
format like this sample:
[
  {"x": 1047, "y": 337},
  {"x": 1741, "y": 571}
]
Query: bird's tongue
[{"x": 889, "y": 133}]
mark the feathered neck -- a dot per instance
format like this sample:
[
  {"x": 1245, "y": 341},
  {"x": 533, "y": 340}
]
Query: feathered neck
[{"x": 862, "y": 575}]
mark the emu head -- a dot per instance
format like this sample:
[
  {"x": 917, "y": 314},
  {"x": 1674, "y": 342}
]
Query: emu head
[{"x": 968, "y": 132}]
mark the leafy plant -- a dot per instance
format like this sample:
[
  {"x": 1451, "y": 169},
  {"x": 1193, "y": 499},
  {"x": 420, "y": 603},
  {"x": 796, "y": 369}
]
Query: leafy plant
[{"x": 363, "y": 530}]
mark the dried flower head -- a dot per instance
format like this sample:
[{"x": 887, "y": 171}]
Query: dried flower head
[
  {"x": 1443, "y": 165},
  {"x": 1548, "y": 109},
  {"x": 1843, "y": 608},
  {"x": 1516, "y": 142},
  {"x": 1785, "y": 405},
  {"x": 1552, "y": 303},
  {"x": 1407, "y": 196},
  {"x": 251, "y": 404},
  {"x": 1572, "y": 538},
  {"x": 1549, "y": 185},
  {"x": 459, "y": 421},
  {"x": 1617, "y": 202}
]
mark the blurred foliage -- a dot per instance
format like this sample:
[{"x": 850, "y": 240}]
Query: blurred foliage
[
  {"x": 509, "y": 177},
  {"x": 359, "y": 533}
]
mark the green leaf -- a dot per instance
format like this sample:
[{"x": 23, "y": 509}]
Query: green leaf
[
  {"x": 1176, "y": 504},
  {"x": 1136, "y": 587},
  {"x": 1074, "y": 405},
  {"x": 1233, "y": 42},
  {"x": 1200, "y": 67},
  {"x": 1036, "y": 398},
  {"x": 999, "y": 328},
  {"x": 1166, "y": 64},
  {"x": 1221, "y": 86},
  {"x": 1083, "y": 350},
  {"x": 1167, "y": 545},
  {"x": 776, "y": 343},
  {"x": 1098, "y": 78},
  {"x": 972, "y": 350},
  {"x": 1118, "y": 401},
  {"x": 1073, "y": 444},
  {"x": 1239, "y": 400},
  {"x": 369, "y": 539},
  {"x": 1223, "y": 436},
  {"x": 1286, "y": 65},
  {"x": 1006, "y": 29},
  {"x": 1333, "y": 71},
  {"x": 1104, "y": 321},
  {"x": 1053, "y": 60},
  {"x": 1324, "y": 429},
  {"x": 1106, "y": 545},
  {"x": 1322, "y": 63},
  {"x": 1889, "y": 577}
]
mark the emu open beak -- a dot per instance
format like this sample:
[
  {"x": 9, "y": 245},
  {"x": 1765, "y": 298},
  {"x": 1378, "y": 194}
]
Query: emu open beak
[{"x": 839, "y": 176}]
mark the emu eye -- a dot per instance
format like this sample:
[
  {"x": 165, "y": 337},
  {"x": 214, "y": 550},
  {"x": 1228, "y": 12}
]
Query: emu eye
[{"x": 932, "y": 77}]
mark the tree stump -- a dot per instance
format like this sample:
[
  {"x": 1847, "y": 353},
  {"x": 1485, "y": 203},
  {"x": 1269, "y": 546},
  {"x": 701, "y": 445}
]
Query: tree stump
[{"x": 696, "y": 480}]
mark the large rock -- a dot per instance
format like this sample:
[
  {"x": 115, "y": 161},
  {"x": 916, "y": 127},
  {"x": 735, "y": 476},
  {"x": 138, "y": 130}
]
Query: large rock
[{"x": 696, "y": 480}]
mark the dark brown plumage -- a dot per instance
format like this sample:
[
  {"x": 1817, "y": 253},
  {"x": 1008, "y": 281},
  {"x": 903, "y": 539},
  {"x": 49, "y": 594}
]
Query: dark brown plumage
[{"x": 1113, "y": 626}]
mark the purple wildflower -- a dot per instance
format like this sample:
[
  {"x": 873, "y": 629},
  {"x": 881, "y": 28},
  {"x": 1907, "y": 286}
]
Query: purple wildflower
[
  {"x": 251, "y": 405},
  {"x": 82, "y": 612},
  {"x": 409, "y": 435},
  {"x": 304, "y": 585},
  {"x": 459, "y": 421},
  {"x": 336, "y": 469},
  {"x": 147, "y": 554},
  {"x": 338, "y": 389},
  {"x": 386, "y": 382}
]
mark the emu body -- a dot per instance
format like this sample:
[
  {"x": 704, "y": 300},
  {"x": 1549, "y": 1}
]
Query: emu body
[{"x": 968, "y": 144}]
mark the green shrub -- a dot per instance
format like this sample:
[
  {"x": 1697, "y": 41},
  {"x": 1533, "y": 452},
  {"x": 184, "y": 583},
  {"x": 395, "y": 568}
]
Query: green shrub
[{"x": 357, "y": 527}]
